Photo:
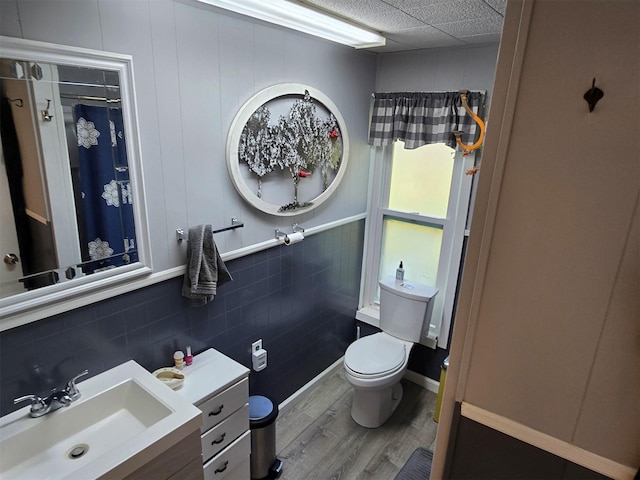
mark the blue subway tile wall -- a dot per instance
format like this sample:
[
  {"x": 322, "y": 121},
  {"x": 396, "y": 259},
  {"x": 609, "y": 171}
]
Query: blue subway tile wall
[{"x": 300, "y": 300}]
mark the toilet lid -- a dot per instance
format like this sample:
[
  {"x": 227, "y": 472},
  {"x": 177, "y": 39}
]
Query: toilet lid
[{"x": 375, "y": 354}]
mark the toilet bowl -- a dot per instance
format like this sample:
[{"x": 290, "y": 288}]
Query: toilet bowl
[{"x": 374, "y": 366}]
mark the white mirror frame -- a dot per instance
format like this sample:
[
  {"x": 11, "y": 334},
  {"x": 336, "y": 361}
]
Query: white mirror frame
[
  {"x": 241, "y": 119},
  {"x": 40, "y": 303}
]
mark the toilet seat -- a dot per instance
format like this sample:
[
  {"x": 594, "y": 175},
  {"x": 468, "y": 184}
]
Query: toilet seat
[{"x": 375, "y": 356}]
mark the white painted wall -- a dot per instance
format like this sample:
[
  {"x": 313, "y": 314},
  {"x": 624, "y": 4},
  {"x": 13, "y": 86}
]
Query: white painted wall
[
  {"x": 194, "y": 68},
  {"x": 438, "y": 69}
]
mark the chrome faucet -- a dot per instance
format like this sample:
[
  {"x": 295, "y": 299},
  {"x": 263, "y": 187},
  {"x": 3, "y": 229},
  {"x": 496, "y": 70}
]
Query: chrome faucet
[
  {"x": 56, "y": 399},
  {"x": 72, "y": 389}
]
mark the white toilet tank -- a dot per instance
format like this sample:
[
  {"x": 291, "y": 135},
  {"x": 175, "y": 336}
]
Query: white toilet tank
[{"x": 405, "y": 307}]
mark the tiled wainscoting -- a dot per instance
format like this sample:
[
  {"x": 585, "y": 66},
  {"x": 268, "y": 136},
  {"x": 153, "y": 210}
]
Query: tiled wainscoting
[{"x": 301, "y": 300}]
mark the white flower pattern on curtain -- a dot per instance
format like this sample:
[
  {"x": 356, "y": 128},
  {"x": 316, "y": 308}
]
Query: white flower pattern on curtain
[
  {"x": 106, "y": 190},
  {"x": 87, "y": 133}
]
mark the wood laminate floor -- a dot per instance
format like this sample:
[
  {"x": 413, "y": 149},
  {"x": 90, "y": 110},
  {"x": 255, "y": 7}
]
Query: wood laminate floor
[{"x": 317, "y": 439}]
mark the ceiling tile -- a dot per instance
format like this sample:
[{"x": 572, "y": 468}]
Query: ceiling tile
[
  {"x": 498, "y": 5},
  {"x": 407, "y": 24},
  {"x": 376, "y": 15},
  {"x": 413, "y": 4},
  {"x": 424, "y": 37},
  {"x": 349, "y": 7},
  {"x": 472, "y": 27},
  {"x": 390, "y": 21},
  {"x": 453, "y": 11},
  {"x": 484, "y": 38}
]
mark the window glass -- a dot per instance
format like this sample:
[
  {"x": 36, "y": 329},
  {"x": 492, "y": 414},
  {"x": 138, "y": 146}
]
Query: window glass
[
  {"x": 416, "y": 245},
  {"x": 421, "y": 179}
]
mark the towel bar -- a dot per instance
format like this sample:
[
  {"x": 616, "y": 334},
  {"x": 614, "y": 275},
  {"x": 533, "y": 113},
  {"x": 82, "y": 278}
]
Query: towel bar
[{"x": 235, "y": 223}]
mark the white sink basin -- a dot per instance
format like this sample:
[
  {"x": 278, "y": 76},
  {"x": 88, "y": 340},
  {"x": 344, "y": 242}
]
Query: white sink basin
[{"x": 124, "y": 418}]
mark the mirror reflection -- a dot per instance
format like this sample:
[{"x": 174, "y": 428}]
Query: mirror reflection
[{"x": 66, "y": 196}]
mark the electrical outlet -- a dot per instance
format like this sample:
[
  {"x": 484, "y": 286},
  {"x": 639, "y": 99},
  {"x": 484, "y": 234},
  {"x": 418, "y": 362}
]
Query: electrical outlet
[{"x": 257, "y": 345}]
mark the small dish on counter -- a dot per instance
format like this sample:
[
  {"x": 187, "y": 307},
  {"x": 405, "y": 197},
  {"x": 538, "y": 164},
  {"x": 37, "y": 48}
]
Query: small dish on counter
[{"x": 170, "y": 376}]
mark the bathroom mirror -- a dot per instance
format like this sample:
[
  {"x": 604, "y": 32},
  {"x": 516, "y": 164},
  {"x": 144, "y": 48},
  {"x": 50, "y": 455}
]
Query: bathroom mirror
[{"x": 71, "y": 192}]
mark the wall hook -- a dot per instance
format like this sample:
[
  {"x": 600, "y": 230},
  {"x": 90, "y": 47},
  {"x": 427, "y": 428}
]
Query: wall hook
[
  {"x": 593, "y": 95},
  {"x": 16, "y": 101},
  {"x": 46, "y": 116}
]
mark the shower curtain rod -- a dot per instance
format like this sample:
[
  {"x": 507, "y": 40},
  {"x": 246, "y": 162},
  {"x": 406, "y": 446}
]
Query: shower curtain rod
[{"x": 90, "y": 97}]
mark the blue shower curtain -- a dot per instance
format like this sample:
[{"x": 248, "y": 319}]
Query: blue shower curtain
[{"x": 107, "y": 201}]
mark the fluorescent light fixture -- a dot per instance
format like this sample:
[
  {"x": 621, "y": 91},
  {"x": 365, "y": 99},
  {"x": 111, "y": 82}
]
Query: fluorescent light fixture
[{"x": 297, "y": 17}]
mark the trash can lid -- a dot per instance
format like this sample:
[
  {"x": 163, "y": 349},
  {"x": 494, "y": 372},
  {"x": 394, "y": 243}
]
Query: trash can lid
[{"x": 262, "y": 411}]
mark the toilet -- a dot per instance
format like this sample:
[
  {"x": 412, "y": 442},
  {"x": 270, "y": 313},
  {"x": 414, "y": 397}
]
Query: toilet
[{"x": 375, "y": 364}]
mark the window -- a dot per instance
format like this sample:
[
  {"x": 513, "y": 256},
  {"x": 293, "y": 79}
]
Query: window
[{"x": 418, "y": 207}]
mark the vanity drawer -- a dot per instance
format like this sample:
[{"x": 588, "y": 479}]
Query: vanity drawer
[
  {"x": 220, "y": 406},
  {"x": 242, "y": 471},
  {"x": 228, "y": 463},
  {"x": 225, "y": 432}
]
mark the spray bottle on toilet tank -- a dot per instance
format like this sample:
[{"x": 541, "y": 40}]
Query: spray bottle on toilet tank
[{"x": 400, "y": 273}]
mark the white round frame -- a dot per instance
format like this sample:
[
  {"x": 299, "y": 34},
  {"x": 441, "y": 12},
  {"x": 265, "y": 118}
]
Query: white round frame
[{"x": 241, "y": 119}]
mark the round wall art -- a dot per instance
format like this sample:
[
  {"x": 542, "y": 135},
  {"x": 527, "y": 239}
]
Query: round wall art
[{"x": 287, "y": 149}]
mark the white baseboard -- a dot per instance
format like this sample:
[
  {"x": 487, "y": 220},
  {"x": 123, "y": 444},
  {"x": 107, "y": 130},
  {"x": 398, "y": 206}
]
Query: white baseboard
[
  {"x": 424, "y": 382},
  {"x": 314, "y": 382}
]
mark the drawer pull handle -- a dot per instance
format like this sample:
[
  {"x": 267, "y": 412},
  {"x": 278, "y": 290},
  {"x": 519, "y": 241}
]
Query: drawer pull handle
[
  {"x": 219, "y": 440},
  {"x": 224, "y": 467},
  {"x": 217, "y": 412}
]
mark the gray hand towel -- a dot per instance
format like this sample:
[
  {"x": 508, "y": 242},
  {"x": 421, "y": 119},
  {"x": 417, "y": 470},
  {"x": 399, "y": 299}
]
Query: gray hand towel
[{"x": 205, "y": 269}]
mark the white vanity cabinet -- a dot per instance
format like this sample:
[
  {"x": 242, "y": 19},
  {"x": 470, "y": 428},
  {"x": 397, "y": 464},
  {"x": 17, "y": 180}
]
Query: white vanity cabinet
[{"x": 219, "y": 387}]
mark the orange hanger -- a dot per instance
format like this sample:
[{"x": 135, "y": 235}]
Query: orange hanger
[{"x": 469, "y": 148}]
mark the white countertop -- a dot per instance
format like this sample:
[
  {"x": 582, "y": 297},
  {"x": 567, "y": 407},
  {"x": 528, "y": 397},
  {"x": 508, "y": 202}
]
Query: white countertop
[{"x": 211, "y": 372}]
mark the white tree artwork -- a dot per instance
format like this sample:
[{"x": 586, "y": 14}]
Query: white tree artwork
[
  {"x": 305, "y": 140},
  {"x": 256, "y": 144}
]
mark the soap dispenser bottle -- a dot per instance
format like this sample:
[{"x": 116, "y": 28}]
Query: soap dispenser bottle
[{"x": 400, "y": 273}]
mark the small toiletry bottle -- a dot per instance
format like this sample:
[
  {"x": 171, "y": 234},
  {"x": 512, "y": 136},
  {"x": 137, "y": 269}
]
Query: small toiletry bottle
[
  {"x": 178, "y": 359},
  {"x": 400, "y": 273},
  {"x": 188, "y": 359}
]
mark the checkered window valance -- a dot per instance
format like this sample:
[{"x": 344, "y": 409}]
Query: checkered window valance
[{"x": 422, "y": 118}]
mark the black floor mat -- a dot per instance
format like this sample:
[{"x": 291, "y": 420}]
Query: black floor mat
[{"x": 418, "y": 466}]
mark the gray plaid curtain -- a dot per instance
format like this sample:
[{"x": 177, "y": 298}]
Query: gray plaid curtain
[{"x": 422, "y": 118}]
